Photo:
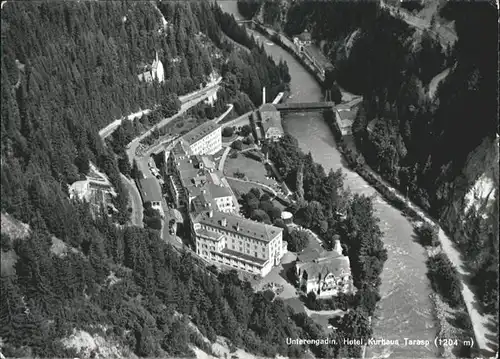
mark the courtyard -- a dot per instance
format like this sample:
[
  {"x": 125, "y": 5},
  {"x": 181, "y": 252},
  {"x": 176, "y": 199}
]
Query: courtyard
[{"x": 277, "y": 277}]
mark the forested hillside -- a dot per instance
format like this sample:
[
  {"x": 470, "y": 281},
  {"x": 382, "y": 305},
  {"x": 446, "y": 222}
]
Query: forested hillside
[
  {"x": 422, "y": 143},
  {"x": 68, "y": 69}
]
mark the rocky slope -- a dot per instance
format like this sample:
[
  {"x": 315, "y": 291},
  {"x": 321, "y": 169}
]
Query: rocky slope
[{"x": 476, "y": 189}]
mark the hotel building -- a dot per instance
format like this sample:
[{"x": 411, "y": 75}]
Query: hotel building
[
  {"x": 206, "y": 139},
  {"x": 220, "y": 234}
]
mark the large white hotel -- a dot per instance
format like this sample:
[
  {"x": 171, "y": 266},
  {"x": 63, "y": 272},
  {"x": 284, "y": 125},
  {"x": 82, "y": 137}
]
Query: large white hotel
[
  {"x": 220, "y": 234},
  {"x": 206, "y": 139}
]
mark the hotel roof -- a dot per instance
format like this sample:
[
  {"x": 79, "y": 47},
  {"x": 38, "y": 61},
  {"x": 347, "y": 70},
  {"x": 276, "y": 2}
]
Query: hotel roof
[
  {"x": 273, "y": 123},
  {"x": 218, "y": 191},
  {"x": 201, "y": 131},
  {"x": 208, "y": 233},
  {"x": 268, "y": 107},
  {"x": 239, "y": 225},
  {"x": 315, "y": 263}
]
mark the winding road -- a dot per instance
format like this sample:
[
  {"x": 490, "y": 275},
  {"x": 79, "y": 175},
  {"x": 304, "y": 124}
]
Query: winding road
[{"x": 187, "y": 101}]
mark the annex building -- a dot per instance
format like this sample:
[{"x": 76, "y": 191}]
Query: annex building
[
  {"x": 270, "y": 120},
  {"x": 150, "y": 191},
  {"x": 326, "y": 273}
]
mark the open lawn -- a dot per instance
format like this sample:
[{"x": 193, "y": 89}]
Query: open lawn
[
  {"x": 244, "y": 187},
  {"x": 254, "y": 170}
]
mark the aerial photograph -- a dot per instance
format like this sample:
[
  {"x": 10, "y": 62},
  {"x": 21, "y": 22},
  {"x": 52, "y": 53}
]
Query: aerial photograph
[{"x": 249, "y": 179}]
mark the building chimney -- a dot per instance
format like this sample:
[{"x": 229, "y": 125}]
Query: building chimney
[
  {"x": 237, "y": 226},
  {"x": 156, "y": 56},
  {"x": 223, "y": 222},
  {"x": 210, "y": 213},
  {"x": 263, "y": 95}
]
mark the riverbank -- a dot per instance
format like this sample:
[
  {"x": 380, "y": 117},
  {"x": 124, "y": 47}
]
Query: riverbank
[
  {"x": 441, "y": 309},
  {"x": 287, "y": 44}
]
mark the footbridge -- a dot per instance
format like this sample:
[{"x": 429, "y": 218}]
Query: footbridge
[{"x": 305, "y": 106}]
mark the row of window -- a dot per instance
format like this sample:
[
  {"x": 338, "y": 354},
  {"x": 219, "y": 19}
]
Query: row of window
[
  {"x": 235, "y": 263},
  {"x": 240, "y": 245},
  {"x": 234, "y": 236},
  {"x": 206, "y": 144}
]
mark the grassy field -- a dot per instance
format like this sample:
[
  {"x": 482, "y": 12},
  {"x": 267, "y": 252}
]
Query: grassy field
[
  {"x": 254, "y": 170},
  {"x": 244, "y": 187}
]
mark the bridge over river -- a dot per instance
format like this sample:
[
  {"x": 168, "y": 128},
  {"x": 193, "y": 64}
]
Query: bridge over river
[{"x": 305, "y": 106}]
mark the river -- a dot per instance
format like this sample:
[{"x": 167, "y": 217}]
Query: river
[{"x": 405, "y": 310}]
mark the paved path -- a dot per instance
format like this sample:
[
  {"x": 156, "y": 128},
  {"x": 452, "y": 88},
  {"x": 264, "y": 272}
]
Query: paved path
[
  {"x": 227, "y": 149},
  {"x": 256, "y": 183},
  {"x": 445, "y": 33},
  {"x": 324, "y": 312},
  {"x": 135, "y": 201},
  {"x": 132, "y": 146},
  {"x": 239, "y": 121},
  {"x": 221, "y": 117},
  {"x": 223, "y": 159},
  {"x": 109, "y": 129},
  {"x": 433, "y": 85}
]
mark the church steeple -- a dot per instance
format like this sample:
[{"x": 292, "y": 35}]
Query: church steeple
[{"x": 156, "y": 56}]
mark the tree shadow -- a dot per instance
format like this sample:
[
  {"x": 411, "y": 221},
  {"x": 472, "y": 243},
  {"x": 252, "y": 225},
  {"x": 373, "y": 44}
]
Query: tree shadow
[
  {"x": 476, "y": 304},
  {"x": 492, "y": 325},
  {"x": 461, "y": 320}
]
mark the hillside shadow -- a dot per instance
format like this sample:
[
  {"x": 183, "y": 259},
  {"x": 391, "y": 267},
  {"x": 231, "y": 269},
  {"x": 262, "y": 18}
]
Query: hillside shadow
[{"x": 492, "y": 325}]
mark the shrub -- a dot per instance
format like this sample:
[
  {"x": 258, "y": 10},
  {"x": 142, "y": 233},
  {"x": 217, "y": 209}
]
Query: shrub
[
  {"x": 260, "y": 216},
  {"x": 245, "y": 130},
  {"x": 227, "y": 131},
  {"x": 444, "y": 279},
  {"x": 269, "y": 295},
  {"x": 428, "y": 235},
  {"x": 297, "y": 240},
  {"x": 265, "y": 197},
  {"x": 154, "y": 223},
  {"x": 248, "y": 140},
  {"x": 310, "y": 301},
  {"x": 239, "y": 174},
  {"x": 237, "y": 145}
]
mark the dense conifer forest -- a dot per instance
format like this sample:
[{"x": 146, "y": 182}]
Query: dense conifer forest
[{"x": 69, "y": 69}]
